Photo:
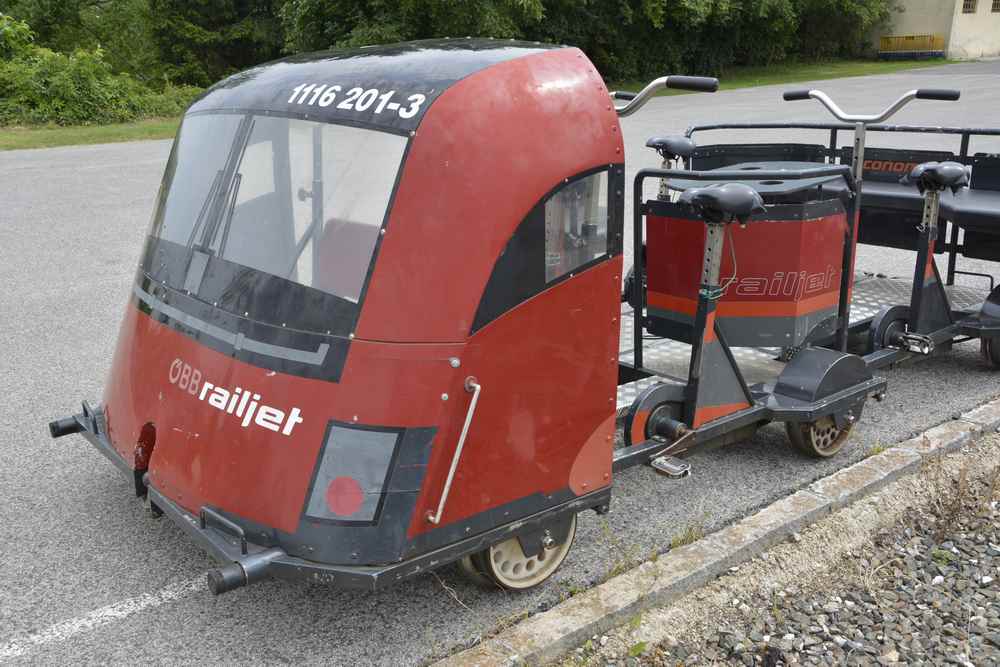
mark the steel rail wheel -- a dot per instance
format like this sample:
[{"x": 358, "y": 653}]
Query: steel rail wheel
[
  {"x": 821, "y": 438},
  {"x": 505, "y": 564}
]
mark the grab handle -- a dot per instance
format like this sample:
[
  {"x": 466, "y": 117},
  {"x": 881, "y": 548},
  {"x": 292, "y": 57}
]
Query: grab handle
[
  {"x": 471, "y": 385},
  {"x": 223, "y": 523}
]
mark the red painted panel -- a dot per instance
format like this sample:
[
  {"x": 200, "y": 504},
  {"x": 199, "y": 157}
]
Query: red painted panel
[
  {"x": 488, "y": 149},
  {"x": 204, "y": 455},
  {"x": 549, "y": 373},
  {"x": 784, "y": 268}
]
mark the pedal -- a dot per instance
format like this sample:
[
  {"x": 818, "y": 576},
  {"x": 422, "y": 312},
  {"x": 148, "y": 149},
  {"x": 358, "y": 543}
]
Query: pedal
[
  {"x": 914, "y": 342},
  {"x": 671, "y": 466}
]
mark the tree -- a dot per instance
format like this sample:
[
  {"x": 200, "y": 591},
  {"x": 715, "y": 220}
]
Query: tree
[
  {"x": 312, "y": 25},
  {"x": 201, "y": 41}
]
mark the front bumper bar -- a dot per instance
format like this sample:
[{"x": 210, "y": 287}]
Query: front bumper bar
[{"x": 246, "y": 562}]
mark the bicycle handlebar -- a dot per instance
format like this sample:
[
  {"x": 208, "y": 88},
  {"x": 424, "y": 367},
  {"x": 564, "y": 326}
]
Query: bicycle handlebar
[
  {"x": 795, "y": 95},
  {"x": 703, "y": 84},
  {"x": 840, "y": 114},
  {"x": 938, "y": 94}
]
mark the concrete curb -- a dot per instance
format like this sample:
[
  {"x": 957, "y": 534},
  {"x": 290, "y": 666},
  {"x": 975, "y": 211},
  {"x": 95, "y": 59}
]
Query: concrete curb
[{"x": 548, "y": 635}]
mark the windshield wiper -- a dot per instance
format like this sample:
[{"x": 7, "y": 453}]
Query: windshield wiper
[
  {"x": 222, "y": 193},
  {"x": 204, "y": 208},
  {"x": 227, "y": 221}
]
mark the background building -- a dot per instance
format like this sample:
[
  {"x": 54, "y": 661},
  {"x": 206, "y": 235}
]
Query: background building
[{"x": 958, "y": 29}]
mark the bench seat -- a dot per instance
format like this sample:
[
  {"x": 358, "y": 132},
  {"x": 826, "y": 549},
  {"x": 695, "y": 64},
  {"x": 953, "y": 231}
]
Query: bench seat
[
  {"x": 892, "y": 196},
  {"x": 973, "y": 209}
]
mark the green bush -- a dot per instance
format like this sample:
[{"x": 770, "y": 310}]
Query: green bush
[
  {"x": 38, "y": 85},
  {"x": 16, "y": 37},
  {"x": 626, "y": 39}
]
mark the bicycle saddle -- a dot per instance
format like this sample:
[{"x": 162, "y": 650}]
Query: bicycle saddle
[
  {"x": 938, "y": 176},
  {"x": 672, "y": 147},
  {"x": 722, "y": 202}
]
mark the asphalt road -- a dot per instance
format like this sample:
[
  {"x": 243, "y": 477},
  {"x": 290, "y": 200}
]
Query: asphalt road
[{"x": 87, "y": 576}]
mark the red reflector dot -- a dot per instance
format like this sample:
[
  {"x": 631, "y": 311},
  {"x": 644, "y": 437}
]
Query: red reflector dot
[{"x": 344, "y": 496}]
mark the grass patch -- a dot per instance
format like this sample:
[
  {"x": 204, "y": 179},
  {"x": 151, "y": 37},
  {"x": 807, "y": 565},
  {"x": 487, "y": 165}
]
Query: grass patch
[
  {"x": 876, "y": 450},
  {"x": 749, "y": 77},
  {"x": 15, "y": 138},
  {"x": 692, "y": 533}
]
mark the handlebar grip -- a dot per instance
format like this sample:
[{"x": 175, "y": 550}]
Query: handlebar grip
[
  {"x": 796, "y": 95},
  {"x": 624, "y": 95},
  {"x": 938, "y": 94},
  {"x": 704, "y": 84}
]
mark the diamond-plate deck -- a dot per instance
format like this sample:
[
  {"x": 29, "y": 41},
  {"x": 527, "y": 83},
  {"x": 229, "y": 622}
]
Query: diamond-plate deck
[{"x": 758, "y": 364}]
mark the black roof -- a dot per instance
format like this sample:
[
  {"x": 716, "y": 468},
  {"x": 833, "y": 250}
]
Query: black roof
[{"x": 330, "y": 86}]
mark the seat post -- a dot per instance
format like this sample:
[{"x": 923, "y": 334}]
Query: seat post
[
  {"x": 715, "y": 233},
  {"x": 664, "y": 192},
  {"x": 929, "y": 307},
  {"x": 708, "y": 294}
]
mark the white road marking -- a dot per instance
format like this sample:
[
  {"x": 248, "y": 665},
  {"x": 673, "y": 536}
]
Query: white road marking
[{"x": 99, "y": 617}]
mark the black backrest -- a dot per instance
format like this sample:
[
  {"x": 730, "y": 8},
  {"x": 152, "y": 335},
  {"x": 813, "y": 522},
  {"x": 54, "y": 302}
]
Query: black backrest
[
  {"x": 723, "y": 155},
  {"x": 888, "y": 165},
  {"x": 986, "y": 171}
]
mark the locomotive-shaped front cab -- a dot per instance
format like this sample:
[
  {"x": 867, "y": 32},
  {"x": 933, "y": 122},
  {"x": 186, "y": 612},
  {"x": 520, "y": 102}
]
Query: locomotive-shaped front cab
[{"x": 346, "y": 244}]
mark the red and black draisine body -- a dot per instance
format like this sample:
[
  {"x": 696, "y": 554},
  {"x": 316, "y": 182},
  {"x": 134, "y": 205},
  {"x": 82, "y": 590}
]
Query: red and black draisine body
[
  {"x": 341, "y": 243},
  {"x": 375, "y": 328}
]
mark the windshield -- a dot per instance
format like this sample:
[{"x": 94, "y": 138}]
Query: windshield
[{"x": 255, "y": 208}]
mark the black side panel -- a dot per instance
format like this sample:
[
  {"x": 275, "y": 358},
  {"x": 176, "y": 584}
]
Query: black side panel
[
  {"x": 980, "y": 245},
  {"x": 985, "y": 172},
  {"x": 519, "y": 272},
  {"x": 892, "y": 228},
  {"x": 888, "y": 165}
]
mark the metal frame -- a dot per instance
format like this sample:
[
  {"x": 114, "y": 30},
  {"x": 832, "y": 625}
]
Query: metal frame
[
  {"x": 639, "y": 210},
  {"x": 834, "y": 152},
  {"x": 764, "y": 405}
]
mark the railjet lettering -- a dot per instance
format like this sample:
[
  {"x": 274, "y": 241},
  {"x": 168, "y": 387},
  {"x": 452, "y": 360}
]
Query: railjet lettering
[
  {"x": 792, "y": 284},
  {"x": 243, "y": 404}
]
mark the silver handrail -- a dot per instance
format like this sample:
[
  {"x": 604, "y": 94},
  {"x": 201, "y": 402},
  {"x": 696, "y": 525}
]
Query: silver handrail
[
  {"x": 641, "y": 97},
  {"x": 702, "y": 84},
  {"x": 473, "y": 386}
]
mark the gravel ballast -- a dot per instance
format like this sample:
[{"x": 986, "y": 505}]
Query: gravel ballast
[{"x": 919, "y": 589}]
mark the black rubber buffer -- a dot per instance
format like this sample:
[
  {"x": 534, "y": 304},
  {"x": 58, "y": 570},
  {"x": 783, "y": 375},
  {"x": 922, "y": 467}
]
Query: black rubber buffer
[
  {"x": 795, "y": 95},
  {"x": 64, "y": 426},
  {"x": 226, "y": 578}
]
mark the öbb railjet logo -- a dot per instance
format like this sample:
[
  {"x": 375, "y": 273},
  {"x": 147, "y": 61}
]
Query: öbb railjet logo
[{"x": 243, "y": 404}]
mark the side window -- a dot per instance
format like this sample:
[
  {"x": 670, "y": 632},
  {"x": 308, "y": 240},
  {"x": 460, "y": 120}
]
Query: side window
[
  {"x": 564, "y": 231},
  {"x": 576, "y": 225}
]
